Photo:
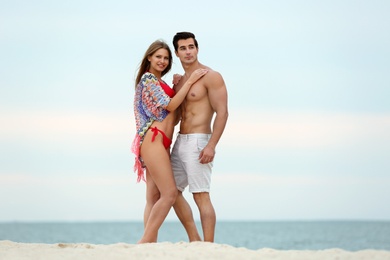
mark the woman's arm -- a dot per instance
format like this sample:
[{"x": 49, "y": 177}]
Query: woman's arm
[{"x": 182, "y": 93}]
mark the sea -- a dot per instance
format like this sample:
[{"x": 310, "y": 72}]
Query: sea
[{"x": 280, "y": 235}]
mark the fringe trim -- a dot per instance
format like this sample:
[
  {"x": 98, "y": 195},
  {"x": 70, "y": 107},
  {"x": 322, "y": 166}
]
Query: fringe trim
[{"x": 135, "y": 148}]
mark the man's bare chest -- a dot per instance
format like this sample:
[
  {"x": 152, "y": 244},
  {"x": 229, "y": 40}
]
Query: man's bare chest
[{"x": 197, "y": 92}]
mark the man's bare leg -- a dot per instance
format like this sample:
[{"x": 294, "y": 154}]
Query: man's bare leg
[
  {"x": 184, "y": 213},
  {"x": 207, "y": 215}
]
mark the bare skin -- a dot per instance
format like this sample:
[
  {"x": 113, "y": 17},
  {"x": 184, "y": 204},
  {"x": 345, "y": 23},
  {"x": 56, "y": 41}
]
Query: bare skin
[
  {"x": 161, "y": 188},
  {"x": 206, "y": 98}
]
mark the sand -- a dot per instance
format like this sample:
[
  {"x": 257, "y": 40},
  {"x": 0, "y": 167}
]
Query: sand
[{"x": 166, "y": 250}]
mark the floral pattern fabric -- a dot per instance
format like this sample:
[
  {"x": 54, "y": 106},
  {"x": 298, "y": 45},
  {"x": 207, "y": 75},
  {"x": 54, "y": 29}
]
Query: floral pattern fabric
[{"x": 150, "y": 102}]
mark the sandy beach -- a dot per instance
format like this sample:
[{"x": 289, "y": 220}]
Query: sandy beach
[{"x": 165, "y": 250}]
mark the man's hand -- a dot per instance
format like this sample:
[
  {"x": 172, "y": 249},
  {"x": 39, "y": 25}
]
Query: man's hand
[{"x": 207, "y": 155}]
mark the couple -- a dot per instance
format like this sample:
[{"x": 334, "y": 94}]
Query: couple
[{"x": 194, "y": 99}]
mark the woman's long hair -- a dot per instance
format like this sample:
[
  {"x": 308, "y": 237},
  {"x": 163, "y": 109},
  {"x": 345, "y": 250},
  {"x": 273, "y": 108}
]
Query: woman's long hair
[{"x": 145, "y": 63}]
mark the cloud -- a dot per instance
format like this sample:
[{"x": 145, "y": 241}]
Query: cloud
[
  {"x": 64, "y": 197},
  {"x": 304, "y": 129},
  {"x": 236, "y": 196},
  {"x": 244, "y": 128},
  {"x": 64, "y": 126},
  {"x": 299, "y": 196}
]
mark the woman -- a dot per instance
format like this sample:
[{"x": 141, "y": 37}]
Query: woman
[{"x": 153, "y": 102}]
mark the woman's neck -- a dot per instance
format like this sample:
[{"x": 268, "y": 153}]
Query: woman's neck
[{"x": 156, "y": 73}]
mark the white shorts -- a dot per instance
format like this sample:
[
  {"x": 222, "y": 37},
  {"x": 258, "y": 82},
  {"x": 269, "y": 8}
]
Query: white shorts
[{"x": 187, "y": 169}]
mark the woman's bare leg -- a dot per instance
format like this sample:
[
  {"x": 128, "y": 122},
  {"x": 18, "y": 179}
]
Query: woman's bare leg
[
  {"x": 152, "y": 196},
  {"x": 157, "y": 161}
]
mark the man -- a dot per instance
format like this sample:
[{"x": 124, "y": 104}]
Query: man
[{"x": 194, "y": 150}]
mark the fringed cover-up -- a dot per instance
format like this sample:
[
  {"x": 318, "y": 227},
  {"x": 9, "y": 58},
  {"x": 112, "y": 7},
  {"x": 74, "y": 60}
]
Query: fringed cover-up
[{"x": 150, "y": 102}]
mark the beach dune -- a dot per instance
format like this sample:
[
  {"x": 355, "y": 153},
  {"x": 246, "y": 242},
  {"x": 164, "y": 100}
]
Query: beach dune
[{"x": 166, "y": 250}]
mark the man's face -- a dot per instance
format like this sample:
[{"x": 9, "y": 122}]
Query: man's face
[{"x": 187, "y": 51}]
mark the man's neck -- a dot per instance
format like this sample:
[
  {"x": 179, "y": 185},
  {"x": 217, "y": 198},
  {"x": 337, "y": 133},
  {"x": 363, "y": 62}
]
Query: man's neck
[{"x": 189, "y": 68}]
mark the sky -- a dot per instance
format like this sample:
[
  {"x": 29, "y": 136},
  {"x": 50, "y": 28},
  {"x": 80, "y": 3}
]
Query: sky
[{"x": 308, "y": 134}]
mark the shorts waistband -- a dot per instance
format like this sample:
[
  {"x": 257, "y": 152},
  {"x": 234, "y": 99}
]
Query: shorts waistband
[{"x": 192, "y": 136}]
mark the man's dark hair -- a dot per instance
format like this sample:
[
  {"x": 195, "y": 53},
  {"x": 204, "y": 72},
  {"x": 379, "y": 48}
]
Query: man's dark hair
[{"x": 183, "y": 36}]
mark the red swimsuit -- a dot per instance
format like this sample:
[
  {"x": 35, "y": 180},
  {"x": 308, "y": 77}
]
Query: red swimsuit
[
  {"x": 166, "y": 141},
  {"x": 169, "y": 91}
]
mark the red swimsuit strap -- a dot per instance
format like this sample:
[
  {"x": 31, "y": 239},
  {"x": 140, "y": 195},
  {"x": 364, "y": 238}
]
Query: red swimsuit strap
[
  {"x": 167, "y": 89},
  {"x": 166, "y": 141}
]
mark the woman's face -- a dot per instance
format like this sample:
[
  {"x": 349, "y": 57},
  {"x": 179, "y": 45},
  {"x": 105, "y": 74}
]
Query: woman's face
[{"x": 159, "y": 61}]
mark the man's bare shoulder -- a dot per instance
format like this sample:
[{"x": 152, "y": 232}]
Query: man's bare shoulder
[
  {"x": 213, "y": 78},
  {"x": 179, "y": 84},
  {"x": 176, "y": 87}
]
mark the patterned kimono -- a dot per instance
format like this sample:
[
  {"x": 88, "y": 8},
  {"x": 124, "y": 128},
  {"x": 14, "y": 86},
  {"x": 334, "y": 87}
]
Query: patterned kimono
[{"x": 150, "y": 102}]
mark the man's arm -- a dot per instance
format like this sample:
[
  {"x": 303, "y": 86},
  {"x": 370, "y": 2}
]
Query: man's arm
[
  {"x": 176, "y": 87},
  {"x": 177, "y": 116},
  {"x": 218, "y": 97}
]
